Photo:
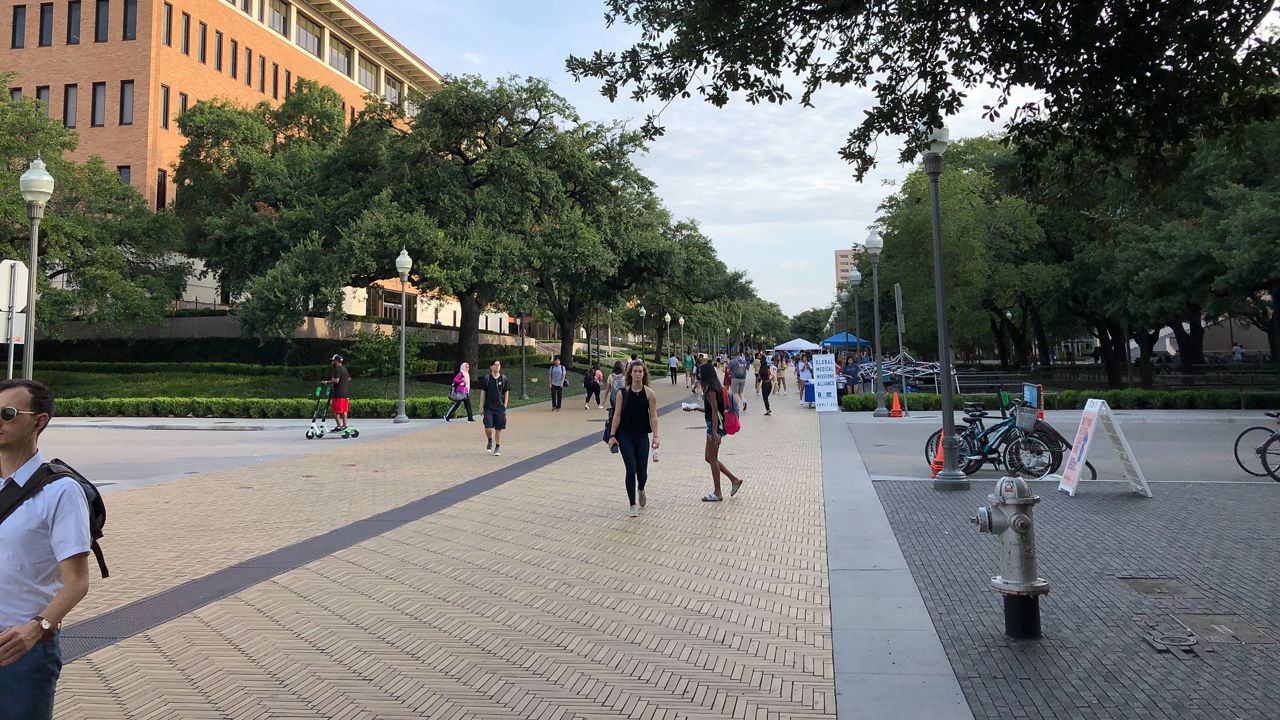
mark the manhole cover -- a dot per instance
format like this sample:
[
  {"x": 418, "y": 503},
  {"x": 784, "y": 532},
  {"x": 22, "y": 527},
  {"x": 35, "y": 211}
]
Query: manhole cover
[
  {"x": 1162, "y": 587},
  {"x": 1176, "y": 640},
  {"x": 1224, "y": 629}
]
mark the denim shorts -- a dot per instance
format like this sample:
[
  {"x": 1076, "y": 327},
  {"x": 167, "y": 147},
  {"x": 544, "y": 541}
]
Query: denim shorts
[{"x": 27, "y": 686}]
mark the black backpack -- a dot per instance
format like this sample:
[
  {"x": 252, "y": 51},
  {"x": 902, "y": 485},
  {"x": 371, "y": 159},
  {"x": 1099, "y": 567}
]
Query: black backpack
[{"x": 56, "y": 470}]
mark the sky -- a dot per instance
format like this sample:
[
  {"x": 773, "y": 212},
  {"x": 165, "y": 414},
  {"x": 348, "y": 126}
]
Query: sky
[{"x": 764, "y": 182}]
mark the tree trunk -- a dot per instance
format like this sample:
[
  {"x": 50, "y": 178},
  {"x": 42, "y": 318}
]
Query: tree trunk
[
  {"x": 1113, "y": 354},
  {"x": 1146, "y": 343},
  {"x": 1273, "y": 325},
  {"x": 1002, "y": 347},
  {"x": 468, "y": 348},
  {"x": 660, "y": 340},
  {"x": 1042, "y": 338},
  {"x": 1190, "y": 342},
  {"x": 568, "y": 332},
  {"x": 1021, "y": 352}
]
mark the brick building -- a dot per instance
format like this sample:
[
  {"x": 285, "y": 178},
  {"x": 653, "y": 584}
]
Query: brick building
[{"x": 121, "y": 71}]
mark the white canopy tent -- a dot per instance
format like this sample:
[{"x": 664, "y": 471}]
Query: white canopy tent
[{"x": 798, "y": 344}]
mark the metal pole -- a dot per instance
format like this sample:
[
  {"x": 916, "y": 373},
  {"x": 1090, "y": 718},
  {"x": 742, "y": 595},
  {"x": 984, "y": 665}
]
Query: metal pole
[
  {"x": 13, "y": 292},
  {"x": 950, "y": 477},
  {"x": 401, "y": 417},
  {"x": 857, "y": 331},
  {"x": 897, "y": 306},
  {"x": 881, "y": 410},
  {"x": 524, "y": 394},
  {"x": 35, "y": 211}
]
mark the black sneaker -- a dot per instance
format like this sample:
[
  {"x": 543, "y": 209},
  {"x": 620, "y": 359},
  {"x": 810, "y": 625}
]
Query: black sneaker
[{"x": 488, "y": 446}]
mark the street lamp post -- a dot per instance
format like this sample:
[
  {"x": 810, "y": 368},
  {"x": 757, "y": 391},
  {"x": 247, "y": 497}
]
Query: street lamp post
[
  {"x": 524, "y": 393},
  {"x": 681, "y": 321},
  {"x": 403, "y": 264},
  {"x": 875, "y": 244},
  {"x": 37, "y": 187},
  {"x": 950, "y": 477},
  {"x": 609, "y": 331},
  {"x": 643, "y": 313},
  {"x": 726, "y": 344},
  {"x": 666, "y": 317},
  {"x": 844, "y": 309},
  {"x": 855, "y": 277}
]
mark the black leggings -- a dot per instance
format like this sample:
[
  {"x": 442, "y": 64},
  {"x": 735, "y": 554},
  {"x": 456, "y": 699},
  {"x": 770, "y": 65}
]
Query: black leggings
[
  {"x": 593, "y": 391},
  {"x": 557, "y": 396},
  {"x": 673, "y": 371},
  {"x": 465, "y": 401},
  {"x": 634, "y": 448},
  {"x": 766, "y": 387}
]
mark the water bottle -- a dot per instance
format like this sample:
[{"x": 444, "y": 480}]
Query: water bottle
[{"x": 655, "y": 456}]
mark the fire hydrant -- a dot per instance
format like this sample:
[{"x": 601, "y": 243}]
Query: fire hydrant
[{"x": 1011, "y": 516}]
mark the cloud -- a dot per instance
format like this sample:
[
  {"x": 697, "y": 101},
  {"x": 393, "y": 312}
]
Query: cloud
[{"x": 473, "y": 59}]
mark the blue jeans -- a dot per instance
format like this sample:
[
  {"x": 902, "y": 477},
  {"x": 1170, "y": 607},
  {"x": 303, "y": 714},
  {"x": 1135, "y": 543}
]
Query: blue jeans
[
  {"x": 635, "y": 456},
  {"x": 27, "y": 686}
]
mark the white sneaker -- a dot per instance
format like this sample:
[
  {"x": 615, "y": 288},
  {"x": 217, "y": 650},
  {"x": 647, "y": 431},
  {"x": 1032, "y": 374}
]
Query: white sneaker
[
  {"x": 496, "y": 452},
  {"x": 634, "y": 512}
]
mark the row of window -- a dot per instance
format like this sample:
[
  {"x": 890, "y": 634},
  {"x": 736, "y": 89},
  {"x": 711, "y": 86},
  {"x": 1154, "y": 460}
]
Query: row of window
[
  {"x": 97, "y": 104},
  {"x": 101, "y": 23}
]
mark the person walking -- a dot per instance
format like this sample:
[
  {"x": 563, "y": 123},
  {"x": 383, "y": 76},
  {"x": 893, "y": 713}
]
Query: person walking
[
  {"x": 739, "y": 367},
  {"x": 556, "y": 380},
  {"x": 673, "y": 367},
  {"x": 460, "y": 393},
  {"x": 339, "y": 395},
  {"x": 591, "y": 381},
  {"x": 633, "y": 423},
  {"x": 1237, "y": 353},
  {"x": 755, "y": 369},
  {"x": 713, "y": 412},
  {"x": 688, "y": 369},
  {"x": 44, "y": 543},
  {"x": 764, "y": 378},
  {"x": 497, "y": 391},
  {"x": 781, "y": 368},
  {"x": 804, "y": 374},
  {"x": 617, "y": 380}
]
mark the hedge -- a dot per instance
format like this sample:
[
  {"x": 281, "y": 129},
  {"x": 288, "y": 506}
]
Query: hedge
[
  {"x": 290, "y": 408},
  {"x": 1134, "y": 399},
  {"x": 306, "y": 372}
]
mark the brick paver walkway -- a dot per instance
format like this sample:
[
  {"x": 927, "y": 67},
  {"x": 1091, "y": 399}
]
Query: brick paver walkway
[{"x": 536, "y": 599}]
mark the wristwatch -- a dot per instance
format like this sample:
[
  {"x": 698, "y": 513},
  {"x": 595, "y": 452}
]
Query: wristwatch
[{"x": 46, "y": 628}]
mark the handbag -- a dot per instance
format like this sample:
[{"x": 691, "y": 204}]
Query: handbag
[{"x": 457, "y": 395}]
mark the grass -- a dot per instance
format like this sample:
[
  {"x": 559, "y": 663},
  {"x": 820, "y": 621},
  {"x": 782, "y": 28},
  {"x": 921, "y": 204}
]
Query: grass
[{"x": 74, "y": 384}]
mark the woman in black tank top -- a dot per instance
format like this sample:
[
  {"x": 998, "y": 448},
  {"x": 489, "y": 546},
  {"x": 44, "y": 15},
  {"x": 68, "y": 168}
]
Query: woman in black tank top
[{"x": 633, "y": 421}]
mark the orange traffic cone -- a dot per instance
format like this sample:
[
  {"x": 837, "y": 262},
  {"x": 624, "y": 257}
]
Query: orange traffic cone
[
  {"x": 936, "y": 465},
  {"x": 897, "y": 407}
]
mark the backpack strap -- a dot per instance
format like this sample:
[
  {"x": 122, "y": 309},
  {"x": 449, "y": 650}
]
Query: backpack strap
[{"x": 14, "y": 495}]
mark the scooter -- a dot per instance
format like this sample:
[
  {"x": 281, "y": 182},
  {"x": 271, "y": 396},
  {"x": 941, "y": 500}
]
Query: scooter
[{"x": 320, "y": 413}]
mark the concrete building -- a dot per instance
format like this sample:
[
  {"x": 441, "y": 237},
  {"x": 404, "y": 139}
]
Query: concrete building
[
  {"x": 121, "y": 71},
  {"x": 846, "y": 260}
]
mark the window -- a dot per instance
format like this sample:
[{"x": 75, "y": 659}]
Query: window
[
  {"x": 247, "y": 6},
  {"x": 248, "y": 67},
  {"x": 288, "y": 82},
  {"x": 217, "y": 50},
  {"x": 367, "y": 74},
  {"x": 394, "y": 91},
  {"x": 353, "y": 114},
  {"x": 202, "y": 48},
  {"x": 130, "y": 20},
  {"x": 162, "y": 189},
  {"x": 278, "y": 19},
  {"x": 166, "y": 25},
  {"x": 262, "y": 4},
  {"x": 126, "y": 102},
  {"x": 73, "y": 22},
  {"x": 186, "y": 34},
  {"x": 262, "y": 74},
  {"x": 126, "y": 173},
  {"x": 182, "y": 107},
  {"x": 164, "y": 106},
  {"x": 340, "y": 56},
  {"x": 308, "y": 34},
  {"x": 19, "y": 37},
  {"x": 101, "y": 20},
  {"x": 46, "y": 24},
  {"x": 235, "y": 58},
  {"x": 98, "y": 105},
  {"x": 70, "y": 94},
  {"x": 42, "y": 94},
  {"x": 275, "y": 81},
  {"x": 15, "y": 93}
]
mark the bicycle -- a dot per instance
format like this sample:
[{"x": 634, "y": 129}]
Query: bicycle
[
  {"x": 1007, "y": 444},
  {"x": 1261, "y": 456}
]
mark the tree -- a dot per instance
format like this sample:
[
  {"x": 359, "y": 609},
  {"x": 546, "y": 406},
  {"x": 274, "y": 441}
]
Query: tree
[
  {"x": 811, "y": 323},
  {"x": 1118, "y": 77},
  {"x": 104, "y": 257}
]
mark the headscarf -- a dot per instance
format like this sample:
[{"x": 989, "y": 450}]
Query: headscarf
[{"x": 464, "y": 371}]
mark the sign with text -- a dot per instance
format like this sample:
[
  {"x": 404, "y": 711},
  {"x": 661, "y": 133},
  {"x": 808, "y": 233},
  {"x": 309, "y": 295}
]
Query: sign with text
[
  {"x": 13, "y": 285},
  {"x": 824, "y": 383},
  {"x": 1099, "y": 418}
]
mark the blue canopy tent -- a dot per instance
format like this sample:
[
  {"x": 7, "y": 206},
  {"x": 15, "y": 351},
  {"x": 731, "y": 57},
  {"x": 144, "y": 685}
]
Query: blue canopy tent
[{"x": 846, "y": 340}]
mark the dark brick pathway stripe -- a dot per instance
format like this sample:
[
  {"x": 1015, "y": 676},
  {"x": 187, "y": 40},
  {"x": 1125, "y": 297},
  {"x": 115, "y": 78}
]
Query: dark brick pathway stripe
[{"x": 137, "y": 617}]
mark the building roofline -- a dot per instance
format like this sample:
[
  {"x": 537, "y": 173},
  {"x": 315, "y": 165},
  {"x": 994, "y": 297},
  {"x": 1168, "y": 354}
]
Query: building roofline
[{"x": 337, "y": 10}]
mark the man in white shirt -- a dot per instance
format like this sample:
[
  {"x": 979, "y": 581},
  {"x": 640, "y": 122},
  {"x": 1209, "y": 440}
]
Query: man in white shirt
[
  {"x": 44, "y": 547},
  {"x": 673, "y": 367}
]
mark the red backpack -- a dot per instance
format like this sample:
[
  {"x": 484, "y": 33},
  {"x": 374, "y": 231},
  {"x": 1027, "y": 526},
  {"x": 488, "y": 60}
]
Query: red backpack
[{"x": 732, "y": 423}]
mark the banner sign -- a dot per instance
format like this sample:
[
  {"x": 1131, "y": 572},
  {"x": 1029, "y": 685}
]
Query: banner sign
[
  {"x": 1099, "y": 418},
  {"x": 824, "y": 383}
]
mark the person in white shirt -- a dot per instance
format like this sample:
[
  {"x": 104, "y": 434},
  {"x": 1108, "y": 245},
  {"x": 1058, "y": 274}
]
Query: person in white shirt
[
  {"x": 673, "y": 367},
  {"x": 44, "y": 547}
]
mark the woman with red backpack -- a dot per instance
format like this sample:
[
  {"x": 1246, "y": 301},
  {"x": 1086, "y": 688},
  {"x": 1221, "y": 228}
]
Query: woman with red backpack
[{"x": 713, "y": 407}]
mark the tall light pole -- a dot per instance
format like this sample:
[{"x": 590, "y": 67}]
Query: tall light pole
[
  {"x": 403, "y": 264},
  {"x": 844, "y": 308},
  {"x": 682, "y": 345},
  {"x": 643, "y": 313},
  {"x": 609, "y": 331},
  {"x": 950, "y": 477},
  {"x": 666, "y": 317},
  {"x": 875, "y": 244},
  {"x": 524, "y": 393},
  {"x": 855, "y": 277},
  {"x": 726, "y": 343},
  {"x": 37, "y": 187},
  {"x": 897, "y": 310}
]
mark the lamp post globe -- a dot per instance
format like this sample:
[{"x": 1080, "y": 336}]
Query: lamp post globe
[
  {"x": 874, "y": 244},
  {"x": 666, "y": 317},
  {"x": 950, "y": 477},
  {"x": 643, "y": 314},
  {"x": 36, "y": 185},
  {"x": 404, "y": 264}
]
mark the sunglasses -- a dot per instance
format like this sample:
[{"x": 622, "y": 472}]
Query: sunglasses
[{"x": 9, "y": 413}]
